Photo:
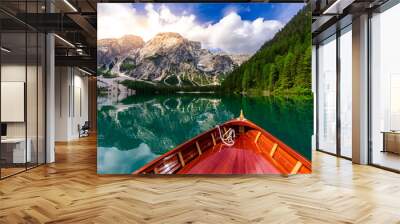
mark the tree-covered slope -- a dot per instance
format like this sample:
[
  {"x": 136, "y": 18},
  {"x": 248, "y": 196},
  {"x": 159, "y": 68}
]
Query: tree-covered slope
[{"x": 282, "y": 65}]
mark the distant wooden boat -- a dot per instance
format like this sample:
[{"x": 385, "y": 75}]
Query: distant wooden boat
[{"x": 255, "y": 151}]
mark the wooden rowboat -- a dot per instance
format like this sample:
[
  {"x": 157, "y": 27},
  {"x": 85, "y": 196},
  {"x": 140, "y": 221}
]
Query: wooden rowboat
[{"x": 255, "y": 151}]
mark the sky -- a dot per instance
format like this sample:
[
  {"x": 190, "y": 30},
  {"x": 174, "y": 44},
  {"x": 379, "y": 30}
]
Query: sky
[{"x": 236, "y": 28}]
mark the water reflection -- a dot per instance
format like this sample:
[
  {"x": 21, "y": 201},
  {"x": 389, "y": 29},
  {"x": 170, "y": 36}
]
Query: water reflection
[{"x": 140, "y": 128}]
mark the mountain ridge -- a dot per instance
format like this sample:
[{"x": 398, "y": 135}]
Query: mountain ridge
[{"x": 167, "y": 56}]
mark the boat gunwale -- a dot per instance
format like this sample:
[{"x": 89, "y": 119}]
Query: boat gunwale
[
  {"x": 175, "y": 150},
  {"x": 282, "y": 145},
  {"x": 237, "y": 122}
]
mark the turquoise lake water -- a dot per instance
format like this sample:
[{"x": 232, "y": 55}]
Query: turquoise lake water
[{"x": 137, "y": 129}]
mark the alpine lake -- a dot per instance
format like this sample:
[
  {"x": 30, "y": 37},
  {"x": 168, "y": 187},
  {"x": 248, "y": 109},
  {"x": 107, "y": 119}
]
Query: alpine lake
[{"x": 136, "y": 129}]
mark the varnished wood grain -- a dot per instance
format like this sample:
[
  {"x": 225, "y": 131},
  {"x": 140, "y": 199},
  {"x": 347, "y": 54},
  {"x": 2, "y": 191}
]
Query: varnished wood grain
[
  {"x": 70, "y": 191},
  {"x": 241, "y": 158}
]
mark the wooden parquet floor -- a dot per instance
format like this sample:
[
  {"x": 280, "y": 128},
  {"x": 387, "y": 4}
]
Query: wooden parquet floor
[{"x": 70, "y": 191}]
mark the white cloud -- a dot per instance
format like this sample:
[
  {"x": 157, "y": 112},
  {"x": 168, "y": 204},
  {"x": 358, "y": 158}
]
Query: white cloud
[
  {"x": 231, "y": 34},
  {"x": 114, "y": 161}
]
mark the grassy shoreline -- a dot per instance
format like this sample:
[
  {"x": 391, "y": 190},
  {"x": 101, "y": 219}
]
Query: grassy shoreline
[{"x": 147, "y": 88}]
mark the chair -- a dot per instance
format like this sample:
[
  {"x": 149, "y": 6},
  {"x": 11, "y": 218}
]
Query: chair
[{"x": 84, "y": 130}]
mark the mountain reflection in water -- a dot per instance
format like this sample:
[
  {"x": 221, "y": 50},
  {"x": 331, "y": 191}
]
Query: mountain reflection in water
[{"x": 139, "y": 128}]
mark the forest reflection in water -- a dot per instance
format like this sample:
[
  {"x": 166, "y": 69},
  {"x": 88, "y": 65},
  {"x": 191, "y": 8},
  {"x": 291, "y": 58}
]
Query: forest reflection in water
[{"x": 139, "y": 128}]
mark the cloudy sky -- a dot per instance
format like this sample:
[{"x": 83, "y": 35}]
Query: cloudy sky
[{"x": 231, "y": 27}]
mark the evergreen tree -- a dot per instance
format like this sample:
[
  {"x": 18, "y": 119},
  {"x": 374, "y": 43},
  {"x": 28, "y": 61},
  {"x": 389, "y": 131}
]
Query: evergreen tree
[{"x": 282, "y": 64}]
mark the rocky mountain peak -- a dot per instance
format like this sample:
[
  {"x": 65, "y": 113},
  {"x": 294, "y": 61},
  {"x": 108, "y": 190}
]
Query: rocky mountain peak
[
  {"x": 166, "y": 40},
  {"x": 168, "y": 36},
  {"x": 110, "y": 48},
  {"x": 167, "y": 43},
  {"x": 121, "y": 45},
  {"x": 169, "y": 58},
  {"x": 131, "y": 41}
]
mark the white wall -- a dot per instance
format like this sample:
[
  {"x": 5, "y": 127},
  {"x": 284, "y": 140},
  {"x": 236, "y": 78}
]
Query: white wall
[
  {"x": 62, "y": 81},
  {"x": 9, "y": 73},
  {"x": 80, "y": 110},
  {"x": 16, "y": 73},
  {"x": 71, "y": 102},
  {"x": 33, "y": 126}
]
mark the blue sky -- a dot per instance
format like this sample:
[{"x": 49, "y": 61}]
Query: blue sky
[
  {"x": 232, "y": 27},
  {"x": 213, "y": 12}
]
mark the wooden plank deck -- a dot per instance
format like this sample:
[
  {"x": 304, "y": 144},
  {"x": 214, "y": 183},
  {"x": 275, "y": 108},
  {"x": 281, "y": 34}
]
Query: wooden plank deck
[{"x": 242, "y": 158}]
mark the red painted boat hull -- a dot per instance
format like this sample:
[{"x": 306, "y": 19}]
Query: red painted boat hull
[{"x": 255, "y": 152}]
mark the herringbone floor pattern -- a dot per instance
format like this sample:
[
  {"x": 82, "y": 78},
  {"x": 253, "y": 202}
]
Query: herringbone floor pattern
[{"x": 70, "y": 191}]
